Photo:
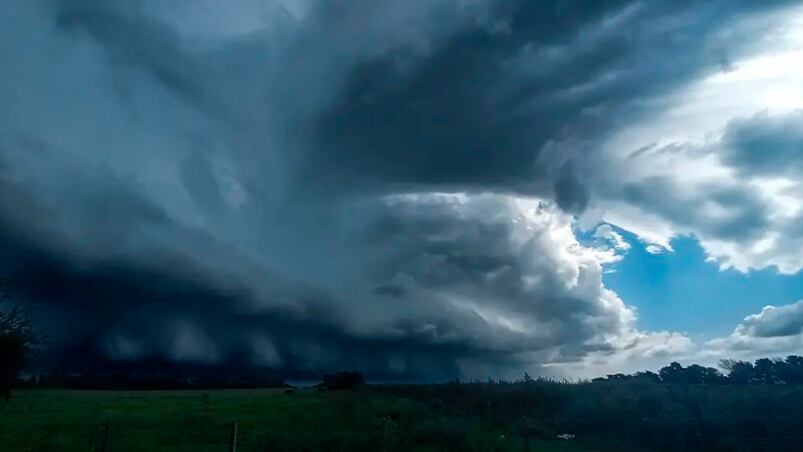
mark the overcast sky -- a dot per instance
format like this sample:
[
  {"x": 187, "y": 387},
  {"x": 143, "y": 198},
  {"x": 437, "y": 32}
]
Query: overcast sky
[{"x": 420, "y": 190}]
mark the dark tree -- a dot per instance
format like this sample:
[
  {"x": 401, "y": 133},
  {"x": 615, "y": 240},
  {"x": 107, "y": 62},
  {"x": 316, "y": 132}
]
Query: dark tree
[
  {"x": 791, "y": 371},
  {"x": 673, "y": 373},
  {"x": 17, "y": 340},
  {"x": 767, "y": 371},
  {"x": 697, "y": 374},
  {"x": 648, "y": 376},
  {"x": 739, "y": 372},
  {"x": 694, "y": 374}
]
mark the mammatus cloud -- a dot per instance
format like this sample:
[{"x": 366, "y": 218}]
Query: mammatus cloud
[{"x": 312, "y": 185}]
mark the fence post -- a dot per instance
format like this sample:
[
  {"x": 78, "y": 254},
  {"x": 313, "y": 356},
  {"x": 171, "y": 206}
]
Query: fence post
[
  {"x": 525, "y": 432},
  {"x": 233, "y": 447},
  {"x": 385, "y": 434},
  {"x": 107, "y": 437}
]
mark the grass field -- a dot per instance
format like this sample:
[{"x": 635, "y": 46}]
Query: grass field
[
  {"x": 629, "y": 415},
  {"x": 268, "y": 420}
]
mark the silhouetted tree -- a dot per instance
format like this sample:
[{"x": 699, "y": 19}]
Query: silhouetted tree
[
  {"x": 791, "y": 371},
  {"x": 697, "y": 374},
  {"x": 673, "y": 373},
  {"x": 739, "y": 372},
  {"x": 619, "y": 376},
  {"x": 766, "y": 371},
  {"x": 647, "y": 375},
  {"x": 694, "y": 374},
  {"x": 17, "y": 340}
]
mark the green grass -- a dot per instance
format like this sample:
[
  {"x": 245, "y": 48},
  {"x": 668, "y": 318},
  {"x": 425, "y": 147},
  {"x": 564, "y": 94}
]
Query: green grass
[
  {"x": 268, "y": 420},
  {"x": 631, "y": 416}
]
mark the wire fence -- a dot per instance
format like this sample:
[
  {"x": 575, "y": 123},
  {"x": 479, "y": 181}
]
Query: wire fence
[{"x": 697, "y": 441}]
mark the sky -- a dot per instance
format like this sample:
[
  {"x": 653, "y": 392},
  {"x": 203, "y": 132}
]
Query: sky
[{"x": 419, "y": 190}]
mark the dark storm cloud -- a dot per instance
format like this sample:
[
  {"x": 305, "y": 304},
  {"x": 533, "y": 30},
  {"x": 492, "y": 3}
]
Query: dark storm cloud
[
  {"x": 134, "y": 41},
  {"x": 747, "y": 213},
  {"x": 108, "y": 292},
  {"x": 766, "y": 144},
  {"x": 473, "y": 109},
  {"x": 136, "y": 308},
  {"x": 479, "y": 107},
  {"x": 236, "y": 196}
]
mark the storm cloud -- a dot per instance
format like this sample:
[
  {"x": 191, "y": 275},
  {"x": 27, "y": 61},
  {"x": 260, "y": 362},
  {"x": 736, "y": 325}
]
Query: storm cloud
[{"x": 309, "y": 185}]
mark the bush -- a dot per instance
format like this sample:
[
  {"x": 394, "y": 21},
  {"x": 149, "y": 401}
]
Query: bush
[{"x": 342, "y": 380}]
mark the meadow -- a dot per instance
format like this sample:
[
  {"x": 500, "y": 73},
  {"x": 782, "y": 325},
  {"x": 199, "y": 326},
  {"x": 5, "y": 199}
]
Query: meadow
[
  {"x": 268, "y": 420},
  {"x": 633, "y": 414}
]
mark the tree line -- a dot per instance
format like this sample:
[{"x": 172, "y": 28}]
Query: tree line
[{"x": 787, "y": 370}]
